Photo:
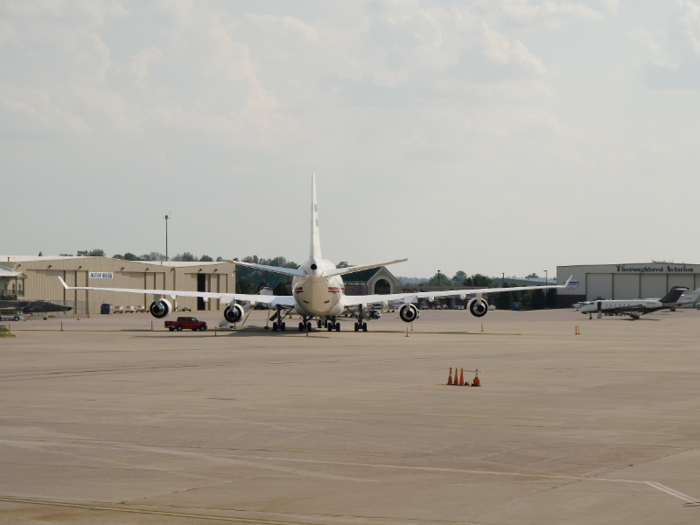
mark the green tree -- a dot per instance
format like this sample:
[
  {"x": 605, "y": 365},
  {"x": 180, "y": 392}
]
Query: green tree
[
  {"x": 537, "y": 301},
  {"x": 439, "y": 279},
  {"x": 245, "y": 285},
  {"x": 185, "y": 257},
  {"x": 504, "y": 300},
  {"x": 551, "y": 298},
  {"x": 153, "y": 256},
  {"x": 281, "y": 289},
  {"x": 205, "y": 258},
  {"x": 92, "y": 253},
  {"x": 459, "y": 278},
  {"x": 343, "y": 264},
  {"x": 533, "y": 275},
  {"x": 479, "y": 280}
]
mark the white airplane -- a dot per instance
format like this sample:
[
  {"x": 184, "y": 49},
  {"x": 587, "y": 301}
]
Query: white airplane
[
  {"x": 318, "y": 292},
  {"x": 689, "y": 300},
  {"x": 635, "y": 308}
]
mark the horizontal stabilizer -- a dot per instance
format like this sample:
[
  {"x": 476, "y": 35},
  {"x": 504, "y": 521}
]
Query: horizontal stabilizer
[
  {"x": 353, "y": 269},
  {"x": 276, "y": 269}
]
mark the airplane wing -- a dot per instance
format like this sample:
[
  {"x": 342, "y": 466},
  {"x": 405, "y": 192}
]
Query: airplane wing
[
  {"x": 276, "y": 269},
  {"x": 353, "y": 269},
  {"x": 412, "y": 297},
  {"x": 273, "y": 300}
]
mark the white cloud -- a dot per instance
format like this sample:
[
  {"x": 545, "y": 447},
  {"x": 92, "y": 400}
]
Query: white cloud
[
  {"x": 645, "y": 38},
  {"x": 140, "y": 62},
  {"x": 546, "y": 14},
  {"x": 680, "y": 67}
]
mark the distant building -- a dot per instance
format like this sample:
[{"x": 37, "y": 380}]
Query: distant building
[
  {"x": 625, "y": 280},
  {"x": 36, "y": 277},
  {"x": 370, "y": 282}
]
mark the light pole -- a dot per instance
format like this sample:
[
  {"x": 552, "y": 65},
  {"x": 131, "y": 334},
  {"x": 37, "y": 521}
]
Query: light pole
[
  {"x": 166, "y": 235},
  {"x": 438, "y": 277},
  {"x": 503, "y": 279}
]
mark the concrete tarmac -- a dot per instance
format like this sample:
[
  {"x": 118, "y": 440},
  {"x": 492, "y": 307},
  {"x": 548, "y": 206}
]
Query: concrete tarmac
[{"x": 108, "y": 422}]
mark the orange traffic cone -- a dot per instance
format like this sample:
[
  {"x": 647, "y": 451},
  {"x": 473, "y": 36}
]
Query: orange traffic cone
[
  {"x": 476, "y": 381},
  {"x": 461, "y": 377},
  {"x": 449, "y": 378}
]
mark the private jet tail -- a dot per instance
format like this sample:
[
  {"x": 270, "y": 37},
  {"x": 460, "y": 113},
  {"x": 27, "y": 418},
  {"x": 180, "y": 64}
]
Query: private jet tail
[
  {"x": 690, "y": 298},
  {"x": 673, "y": 296}
]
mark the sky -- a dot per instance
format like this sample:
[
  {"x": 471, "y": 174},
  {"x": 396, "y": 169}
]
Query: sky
[{"x": 489, "y": 136}]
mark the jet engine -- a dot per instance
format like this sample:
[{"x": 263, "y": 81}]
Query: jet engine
[
  {"x": 408, "y": 313},
  {"x": 478, "y": 307},
  {"x": 161, "y": 308},
  {"x": 234, "y": 313}
]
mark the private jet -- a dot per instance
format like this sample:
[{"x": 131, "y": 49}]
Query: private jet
[
  {"x": 635, "y": 308},
  {"x": 318, "y": 292}
]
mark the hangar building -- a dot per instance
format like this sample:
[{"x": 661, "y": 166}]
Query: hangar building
[
  {"x": 625, "y": 281},
  {"x": 35, "y": 278}
]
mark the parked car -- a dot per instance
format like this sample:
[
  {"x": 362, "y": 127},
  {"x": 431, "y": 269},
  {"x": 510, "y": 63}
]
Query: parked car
[
  {"x": 141, "y": 309},
  {"x": 12, "y": 317},
  {"x": 129, "y": 310},
  {"x": 118, "y": 309},
  {"x": 186, "y": 323}
]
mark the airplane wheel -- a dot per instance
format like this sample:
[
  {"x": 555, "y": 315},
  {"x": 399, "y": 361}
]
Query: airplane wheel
[
  {"x": 274, "y": 327},
  {"x": 357, "y": 327},
  {"x": 179, "y": 328},
  {"x": 364, "y": 327},
  {"x": 329, "y": 326},
  {"x": 283, "y": 327},
  {"x": 318, "y": 323},
  {"x": 301, "y": 327},
  {"x": 308, "y": 326},
  {"x": 337, "y": 327}
]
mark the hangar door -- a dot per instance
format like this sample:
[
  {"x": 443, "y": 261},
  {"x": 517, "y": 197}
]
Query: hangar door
[
  {"x": 599, "y": 285},
  {"x": 653, "y": 286},
  {"x": 626, "y": 286},
  {"x": 681, "y": 280}
]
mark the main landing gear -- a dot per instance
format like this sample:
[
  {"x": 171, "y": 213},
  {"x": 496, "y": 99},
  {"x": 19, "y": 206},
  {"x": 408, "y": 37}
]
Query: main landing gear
[
  {"x": 279, "y": 324},
  {"x": 331, "y": 324},
  {"x": 305, "y": 325},
  {"x": 361, "y": 326}
]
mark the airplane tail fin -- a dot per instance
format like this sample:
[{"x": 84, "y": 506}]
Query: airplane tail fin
[
  {"x": 690, "y": 297},
  {"x": 673, "y": 296},
  {"x": 315, "y": 236}
]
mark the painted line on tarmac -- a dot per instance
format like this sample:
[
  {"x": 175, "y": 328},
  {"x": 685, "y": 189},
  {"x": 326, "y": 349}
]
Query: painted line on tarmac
[
  {"x": 667, "y": 490},
  {"x": 653, "y": 484},
  {"x": 54, "y": 503}
]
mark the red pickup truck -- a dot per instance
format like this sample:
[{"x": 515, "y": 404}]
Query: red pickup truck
[{"x": 187, "y": 323}]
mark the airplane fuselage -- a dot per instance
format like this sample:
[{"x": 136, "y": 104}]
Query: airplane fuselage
[
  {"x": 642, "y": 305},
  {"x": 315, "y": 294}
]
